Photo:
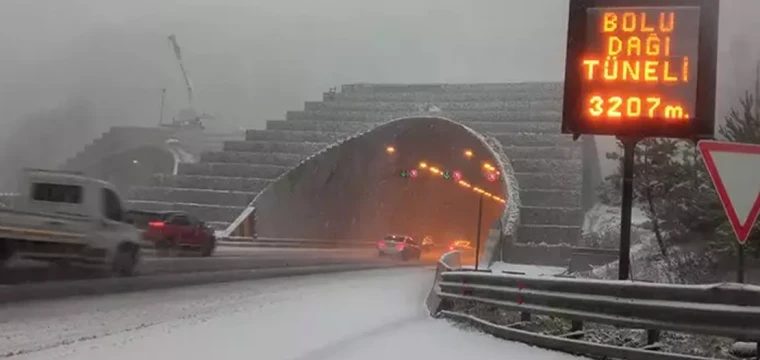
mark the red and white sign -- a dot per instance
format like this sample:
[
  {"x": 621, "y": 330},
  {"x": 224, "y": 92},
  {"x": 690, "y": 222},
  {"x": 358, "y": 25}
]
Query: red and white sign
[
  {"x": 735, "y": 172},
  {"x": 413, "y": 173},
  {"x": 457, "y": 175}
]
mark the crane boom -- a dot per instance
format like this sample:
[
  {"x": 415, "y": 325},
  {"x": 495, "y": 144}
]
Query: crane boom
[{"x": 178, "y": 54}]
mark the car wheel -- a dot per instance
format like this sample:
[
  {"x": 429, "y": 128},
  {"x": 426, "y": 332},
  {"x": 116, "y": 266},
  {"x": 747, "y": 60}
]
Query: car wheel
[
  {"x": 208, "y": 248},
  {"x": 125, "y": 260}
]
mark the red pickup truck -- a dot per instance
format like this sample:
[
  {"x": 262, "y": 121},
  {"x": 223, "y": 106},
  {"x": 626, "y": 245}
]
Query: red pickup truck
[{"x": 174, "y": 230}]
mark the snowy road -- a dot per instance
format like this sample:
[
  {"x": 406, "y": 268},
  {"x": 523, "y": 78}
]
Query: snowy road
[{"x": 377, "y": 314}]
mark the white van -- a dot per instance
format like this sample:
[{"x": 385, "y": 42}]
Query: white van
[{"x": 69, "y": 218}]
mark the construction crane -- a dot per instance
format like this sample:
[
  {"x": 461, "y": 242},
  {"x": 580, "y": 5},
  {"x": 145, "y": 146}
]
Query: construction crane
[{"x": 188, "y": 117}]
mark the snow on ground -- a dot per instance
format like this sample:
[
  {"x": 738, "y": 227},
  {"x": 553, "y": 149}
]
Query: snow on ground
[
  {"x": 529, "y": 270},
  {"x": 604, "y": 218},
  {"x": 366, "y": 315}
]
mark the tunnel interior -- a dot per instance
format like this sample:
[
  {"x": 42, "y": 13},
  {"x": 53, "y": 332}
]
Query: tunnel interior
[
  {"x": 134, "y": 167},
  {"x": 400, "y": 178}
]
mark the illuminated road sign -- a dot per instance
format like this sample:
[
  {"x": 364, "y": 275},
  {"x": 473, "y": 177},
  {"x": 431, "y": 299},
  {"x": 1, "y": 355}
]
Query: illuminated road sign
[
  {"x": 641, "y": 68},
  {"x": 413, "y": 173}
]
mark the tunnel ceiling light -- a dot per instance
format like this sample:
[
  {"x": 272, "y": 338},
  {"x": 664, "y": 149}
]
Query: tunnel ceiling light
[
  {"x": 468, "y": 153},
  {"x": 390, "y": 149},
  {"x": 457, "y": 177}
]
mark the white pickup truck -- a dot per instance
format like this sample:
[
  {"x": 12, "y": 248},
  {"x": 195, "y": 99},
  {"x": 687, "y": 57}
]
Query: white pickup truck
[{"x": 69, "y": 218}]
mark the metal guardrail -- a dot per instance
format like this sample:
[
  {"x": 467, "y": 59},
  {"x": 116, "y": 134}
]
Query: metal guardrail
[
  {"x": 293, "y": 243},
  {"x": 248, "y": 242},
  {"x": 725, "y": 310}
]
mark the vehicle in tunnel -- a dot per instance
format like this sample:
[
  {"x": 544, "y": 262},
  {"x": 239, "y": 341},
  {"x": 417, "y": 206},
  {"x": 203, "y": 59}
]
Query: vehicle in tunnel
[
  {"x": 169, "y": 231},
  {"x": 68, "y": 218},
  {"x": 464, "y": 246},
  {"x": 401, "y": 246},
  {"x": 428, "y": 243}
]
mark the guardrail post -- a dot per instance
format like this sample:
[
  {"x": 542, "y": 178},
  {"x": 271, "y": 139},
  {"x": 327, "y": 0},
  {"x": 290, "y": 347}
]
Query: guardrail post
[
  {"x": 525, "y": 316},
  {"x": 653, "y": 336},
  {"x": 576, "y": 325}
]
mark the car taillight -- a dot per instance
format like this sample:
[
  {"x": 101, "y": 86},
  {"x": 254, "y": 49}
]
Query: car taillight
[
  {"x": 380, "y": 244},
  {"x": 399, "y": 246},
  {"x": 451, "y": 248},
  {"x": 156, "y": 224}
]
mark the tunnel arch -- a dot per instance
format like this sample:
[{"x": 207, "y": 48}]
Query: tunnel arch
[{"x": 315, "y": 198}]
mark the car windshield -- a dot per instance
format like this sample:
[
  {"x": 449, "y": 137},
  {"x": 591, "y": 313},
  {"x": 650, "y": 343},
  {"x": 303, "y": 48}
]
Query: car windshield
[{"x": 395, "y": 238}]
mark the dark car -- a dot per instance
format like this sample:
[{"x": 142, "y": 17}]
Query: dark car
[
  {"x": 173, "y": 230},
  {"x": 401, "y": 246}
]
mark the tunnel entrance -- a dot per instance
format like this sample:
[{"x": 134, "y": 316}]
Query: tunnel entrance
[
  {"x": 134, "y": 167},
  {"x": 414, "y": 176}
]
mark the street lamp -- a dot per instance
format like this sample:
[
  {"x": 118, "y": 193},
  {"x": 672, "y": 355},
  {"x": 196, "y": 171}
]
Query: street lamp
[
  {"x": 390, "y": 149},
  {"x": 468, "y": 153},
  {"x": 423, "y": 165}
]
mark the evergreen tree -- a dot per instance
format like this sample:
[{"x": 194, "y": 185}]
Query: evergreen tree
[{"x": 672, "y": 185}]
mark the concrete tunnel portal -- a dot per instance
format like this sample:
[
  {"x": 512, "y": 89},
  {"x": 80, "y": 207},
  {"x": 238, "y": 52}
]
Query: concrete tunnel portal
[{"x": 361, "y": 190}]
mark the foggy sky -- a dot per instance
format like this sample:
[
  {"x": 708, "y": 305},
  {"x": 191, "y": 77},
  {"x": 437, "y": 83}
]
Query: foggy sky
[{"x": 252, "y": 60}]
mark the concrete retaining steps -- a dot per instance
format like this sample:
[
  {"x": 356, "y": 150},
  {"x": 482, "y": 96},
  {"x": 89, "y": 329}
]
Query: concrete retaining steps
[
  {"x": 347, "y": 128},
  {"x": 525, "y": 118},
  {"x": 119, "y": 139},
  {"x": 409, "y": 107},
  {"x": 521, "y": 115}
]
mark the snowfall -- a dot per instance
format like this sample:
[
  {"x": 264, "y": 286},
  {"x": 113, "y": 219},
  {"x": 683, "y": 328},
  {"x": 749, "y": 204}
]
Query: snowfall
[{"x": 376, "y": 314}]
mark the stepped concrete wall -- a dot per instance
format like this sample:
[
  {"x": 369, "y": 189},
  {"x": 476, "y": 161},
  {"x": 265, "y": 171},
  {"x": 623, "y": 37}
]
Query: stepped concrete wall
[{"x": 556, "y": 176}]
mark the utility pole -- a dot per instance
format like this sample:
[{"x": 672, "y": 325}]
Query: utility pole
[
  {"x": 161, "y": 115},
  {"x": 477, "y": 238}
]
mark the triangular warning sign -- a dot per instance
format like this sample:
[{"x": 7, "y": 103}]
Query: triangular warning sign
[{"x": 735, "y": 172}]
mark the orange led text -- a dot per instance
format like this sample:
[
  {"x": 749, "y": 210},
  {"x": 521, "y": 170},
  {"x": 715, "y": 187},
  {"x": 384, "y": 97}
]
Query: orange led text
[
  {"x": 637, "y": 47},
  {"x": 632, "y": 21},
  {"x": 620, "y": 107}
]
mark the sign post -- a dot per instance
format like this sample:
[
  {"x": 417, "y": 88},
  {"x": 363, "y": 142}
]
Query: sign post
[
  {"x": 636, "y": 69},
  {"x": 477, "y": 236},
  {"x": 735, "y": 171}
]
